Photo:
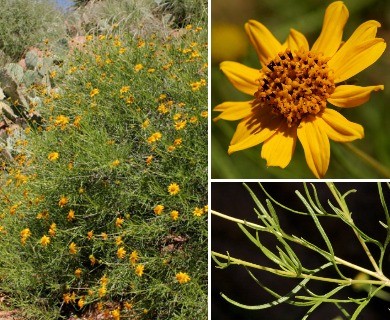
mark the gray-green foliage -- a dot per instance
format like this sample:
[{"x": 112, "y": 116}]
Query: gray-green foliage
[{"x": 25, "y": 23}]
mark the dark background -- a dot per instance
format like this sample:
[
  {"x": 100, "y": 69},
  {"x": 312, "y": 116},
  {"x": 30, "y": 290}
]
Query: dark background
[{"x": 233, "y": 199}]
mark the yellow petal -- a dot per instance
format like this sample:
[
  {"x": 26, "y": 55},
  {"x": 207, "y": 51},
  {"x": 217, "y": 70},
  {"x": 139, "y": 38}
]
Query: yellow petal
[
  {"x": 366, "y": 31},
  {"x": 233, "y": 110},
  {"x": 254, "y": 129},
  {"x": 266, "y": 45},
  {"x": 315, "y": 144},
  {"x": 352, "y": 59},
  {"x": 278, "y": 149},
  {"x": 336, "y": 16},
  {"x": 295, "y": 41},
  {"x": 348, "y": 96},
  {"x": 242, "y": 77},
  {"x": 338, "y": 128}
]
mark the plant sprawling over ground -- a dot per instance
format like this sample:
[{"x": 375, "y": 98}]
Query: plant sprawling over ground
[{"x": 104, "y": 205}]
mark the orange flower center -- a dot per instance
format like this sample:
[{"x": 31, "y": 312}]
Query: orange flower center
[{"x": 296, "y": 85}]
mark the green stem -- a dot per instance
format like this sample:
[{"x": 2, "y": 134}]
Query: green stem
[
  {"x": 298, "y": 241},
  {"x": 381, "y": 169},
  {"x": 347, "y": 215},
  {"x": 302, "y": 275}
]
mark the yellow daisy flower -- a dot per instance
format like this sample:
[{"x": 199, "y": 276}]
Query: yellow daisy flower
[
  {"x": 134, "y": 257},
  {"x": 73, "y": 248},
  {"x": 139, "y": 270},
  {"x": 182, "y": 277},
  {"x": 291, "y": 92},
  {"x": 53, "y": 156},
  {"x": 45, "y": 240},
  {"x": 121, "y": 252},
  {"x": 173, "y": 189},
  {"x": 158, "y": 209}
]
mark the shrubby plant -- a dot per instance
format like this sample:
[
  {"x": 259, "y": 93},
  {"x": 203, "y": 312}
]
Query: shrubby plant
[{"x": 104, "y": 204}]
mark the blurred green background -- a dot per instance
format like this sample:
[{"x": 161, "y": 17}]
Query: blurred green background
[{"x": 229, "y": 42}]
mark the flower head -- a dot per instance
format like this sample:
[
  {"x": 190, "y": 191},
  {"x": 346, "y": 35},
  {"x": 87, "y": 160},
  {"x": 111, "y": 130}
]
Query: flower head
[
  {"x": 134, "y": 257},
  {"x": 139, "y": 270},
  {"x": 158, "y": 209},
  {"x": 182, "y": 277},
  {"x": 73, "y": 248},
  {"x": 173, "y": 189},
  {"x": 45, "y": 240},
  {"x": 121, "y": 252},
  {"x": 63, "y": 201},
  {"x": 291, "y": 91},
  {"x": 53, "y": 156}
]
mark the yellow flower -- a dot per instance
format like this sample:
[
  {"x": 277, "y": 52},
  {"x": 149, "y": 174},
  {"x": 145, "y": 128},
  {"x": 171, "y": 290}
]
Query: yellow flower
[
  {"x": 289, "y": 94},
  {"x": 53, "y": 229},
  {"x": 77, "y": 121},
  {"x": 174, "y": 215},
  {"x": 119, "y": 221},
  {"x": 81, "y": 303},
  {"x": 78, "y": 272},
  {"x": 173, "y": 189},
  {"x": 61, "y": 121},
  {"x": 116, "y": 314},
  {"x": 118, "y": 240},
  {"x": 178, "y": 141},
  {"x": 124, "y": 89},
  {"x": 53, "y": 156},
  {"x": 154, "y": 137},
  {"x": 198, "y": 211},
  {"x": 204, "y": 114},
  {"x": 63, "y": 201},
  {"x": 94, "y": 92},
  {"x": 45, "y": 240},
  {"x": 158, "y": 209},
  {"x": 115, "y": 163},
  {"x": 162, "y": 108},
  {"x": 24, "y": 235},
  {"x": 182, "y": 277},
  {"x": 138, "y": 67},
  {"x": 68, "y": 298},
  {"x": 73, "y": 248},
  {"x": 102, "y": 291},
  {"x": 90, "y": 235},
  {"x": 70, "y": 215},
  {"x": 121, "y": 252},
  {"x": 134, "y": 257},
  {"x": 92, "y": 259},
  {"x": 104, "y": 280},
  {"x": 145, "y": 124},
  {"x": 179, "y": 125},
  {"x": 104, "y": 236},
  {"x": 149, "y": 160},
  {"x": 139, "y": 270}
]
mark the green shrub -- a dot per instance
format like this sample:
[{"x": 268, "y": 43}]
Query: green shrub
[
  {"x": 26, "y": 23},
  {"x": 80, "y": 225}
]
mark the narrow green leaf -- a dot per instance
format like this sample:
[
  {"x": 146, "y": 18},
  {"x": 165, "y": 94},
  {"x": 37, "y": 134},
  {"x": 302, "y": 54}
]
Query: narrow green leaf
[
  {"x": 322, "y": 232},
  {"x": 279, "y": 204}
]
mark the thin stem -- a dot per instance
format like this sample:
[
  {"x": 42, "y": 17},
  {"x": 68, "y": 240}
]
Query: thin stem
[
  {"x": 347, "y": 215},
  {"x": 381, "y": 169},
  {"x": 378, "y": 275},
  {"x": 290, "y": 274}
]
